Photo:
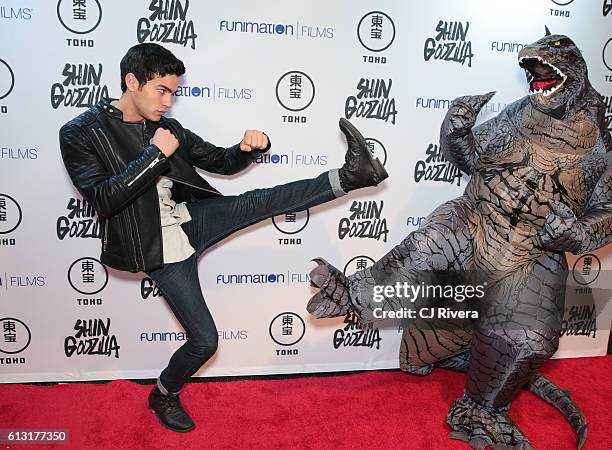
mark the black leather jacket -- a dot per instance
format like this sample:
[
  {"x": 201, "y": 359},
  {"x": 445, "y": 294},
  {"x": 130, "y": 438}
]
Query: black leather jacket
[{"x": 114, "y": 167}]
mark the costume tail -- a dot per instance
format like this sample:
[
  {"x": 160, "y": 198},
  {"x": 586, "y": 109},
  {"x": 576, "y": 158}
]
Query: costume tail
[
  {"x": 333, "y": 300},
  {"x": 560, "y": 399},
  {"x": 540, "y": 386}
]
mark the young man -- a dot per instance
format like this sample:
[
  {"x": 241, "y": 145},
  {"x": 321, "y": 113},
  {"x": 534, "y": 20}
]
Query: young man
[{"x": 136, "y": 167}]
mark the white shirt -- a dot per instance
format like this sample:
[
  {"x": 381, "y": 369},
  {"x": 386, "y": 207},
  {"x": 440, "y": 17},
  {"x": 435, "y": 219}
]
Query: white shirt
[{"x": 176, "y": 246}]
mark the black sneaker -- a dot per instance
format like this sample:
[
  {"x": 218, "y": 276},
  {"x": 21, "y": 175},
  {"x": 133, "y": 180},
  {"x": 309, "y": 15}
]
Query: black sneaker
[
  {"x": 360, "y": 168},
  {"x": 170, "y": 412}
]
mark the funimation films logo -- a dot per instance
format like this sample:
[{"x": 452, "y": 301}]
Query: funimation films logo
[
  {"x": 7, "y": 79},
  {"x": 295, "y": 91},
  {"x": 79, "y": 16},
  {"x": 168, "y": 24},
  {"x": 450, "y": 43},
  {"x": 292, "y": 222},
  {"x": 87, "y": 276},
  {"x": 15, "y": 335},
  {"x": 10, "y": 214},
  {"x": 287, "y": 329},
  {"x": 376, "y": 31}
]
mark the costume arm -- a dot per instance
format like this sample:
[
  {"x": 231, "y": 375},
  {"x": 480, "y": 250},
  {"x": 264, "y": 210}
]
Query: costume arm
[
  {"x": 458, "y": 142},
  {"x": 209, "y": 157},
  {"x": 563, "y": 232},
  {"x": 107, "y": 193}
]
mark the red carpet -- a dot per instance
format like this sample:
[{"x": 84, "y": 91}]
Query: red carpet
[{"x": 369, "y": 410}]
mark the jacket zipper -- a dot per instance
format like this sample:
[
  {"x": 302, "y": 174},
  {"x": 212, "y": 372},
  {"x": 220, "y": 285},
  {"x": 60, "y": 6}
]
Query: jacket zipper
[
  {"x": 193, "y": 185},
  {"x": 105, "y": 241},
  {"x": 125, "y": 219},
  {"x": 150, "y": 166}
]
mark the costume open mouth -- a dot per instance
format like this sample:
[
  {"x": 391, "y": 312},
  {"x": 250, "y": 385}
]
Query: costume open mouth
[{"x": 543, "y": 77}]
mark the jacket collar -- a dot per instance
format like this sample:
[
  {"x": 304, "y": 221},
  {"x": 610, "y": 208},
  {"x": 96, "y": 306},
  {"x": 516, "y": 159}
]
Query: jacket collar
[{"x": 107, "y": 108}]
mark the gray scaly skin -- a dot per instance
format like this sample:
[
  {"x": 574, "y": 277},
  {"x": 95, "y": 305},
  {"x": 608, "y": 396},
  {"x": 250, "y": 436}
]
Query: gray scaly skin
[{"x": 541, "y": 185}]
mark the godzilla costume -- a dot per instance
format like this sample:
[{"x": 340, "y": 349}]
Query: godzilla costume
[{"x": 541, "y": 179}]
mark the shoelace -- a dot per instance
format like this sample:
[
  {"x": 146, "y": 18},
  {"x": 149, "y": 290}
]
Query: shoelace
[{"x": 168, "y": 402}]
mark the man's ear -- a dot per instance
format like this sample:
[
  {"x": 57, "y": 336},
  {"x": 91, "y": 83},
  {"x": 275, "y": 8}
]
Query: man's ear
[{"x": 131, "y": 82}]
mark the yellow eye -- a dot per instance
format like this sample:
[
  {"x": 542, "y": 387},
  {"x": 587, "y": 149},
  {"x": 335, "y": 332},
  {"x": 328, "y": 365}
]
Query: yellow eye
[{"x": 557, "y": 43}]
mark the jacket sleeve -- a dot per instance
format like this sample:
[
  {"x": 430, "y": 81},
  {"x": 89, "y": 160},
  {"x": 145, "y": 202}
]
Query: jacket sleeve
[
  {"x": 209, "y": 157},
  {"x": 108, "y": 193}
]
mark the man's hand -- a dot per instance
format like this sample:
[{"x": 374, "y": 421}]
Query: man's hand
[
  {"x": 562, "y": 231},
  {"x": 165, "y": 141},
  {"x": 253, "y": 140}
]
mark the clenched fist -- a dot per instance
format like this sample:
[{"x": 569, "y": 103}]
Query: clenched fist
[
  {"x": 165, "y": 141},
  {"x": 253, "y": 140}
]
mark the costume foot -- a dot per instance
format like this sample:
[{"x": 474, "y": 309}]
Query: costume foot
[
  {"x": 170, "y": 412},
  {"x": 360, "y": 168},
  {"x": 333, "y": 299},
  {"x": 484, "y": 426}
]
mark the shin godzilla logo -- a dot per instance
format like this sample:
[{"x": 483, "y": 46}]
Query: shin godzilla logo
[
  {"x": 82, "y": 86},
  {"x": 450, "y": 43},
  {"x": 92, "y": 337},
  {"x": 372, "y": 101},
  {"x": 167, "y": 24}
]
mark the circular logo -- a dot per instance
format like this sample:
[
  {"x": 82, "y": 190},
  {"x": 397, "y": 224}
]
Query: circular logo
[
  {"x": 562, "y": 2},
  {"x": 7, "y": 79},
  {"x": 10, "y": 214},
  {"x": 87, "y": 276},
  {"x": 586, "y": 269},
  {"x": 376, "y": 31},
  {"x": 357, "y": 263},
  {"x": 79, "y": 17},
  {"x": 291, "y": 223},
  {"x": 607, "y": 54},
  {"x": 377, "y": 149},
  {"x": 295, "y": 91},
  {"x": 287, "y": 329},
  {"x": 15, "y": 337}
]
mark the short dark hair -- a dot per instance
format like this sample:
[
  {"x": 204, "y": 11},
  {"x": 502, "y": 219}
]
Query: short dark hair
[{"x": 146, "y": 61}]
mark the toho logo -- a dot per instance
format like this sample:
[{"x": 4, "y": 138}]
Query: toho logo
[
  {"x": 295, "y": 91},
  {"x": 7, "y": 79},
  {"x": 79, "y": 17},
  {"x": 357, "y": 263},
  {"x": 287, "y": 329},
  {"x": 376, "y": 31}
]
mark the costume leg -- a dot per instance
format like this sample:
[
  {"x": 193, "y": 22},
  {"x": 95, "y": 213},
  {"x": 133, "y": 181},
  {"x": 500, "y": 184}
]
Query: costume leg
[
  {"x": 214, "y": 219},
  {"x": 180, "y": 286},
  {"x": 442, "y": 246},
  {"x": 517, "y": 332}
]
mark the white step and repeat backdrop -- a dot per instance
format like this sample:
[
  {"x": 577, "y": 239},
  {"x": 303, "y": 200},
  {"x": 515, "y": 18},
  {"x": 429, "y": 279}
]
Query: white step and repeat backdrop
[{"x": 290, "y": 69}]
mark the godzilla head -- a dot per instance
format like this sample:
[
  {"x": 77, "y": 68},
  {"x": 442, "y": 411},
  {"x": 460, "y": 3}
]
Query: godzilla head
[{"x": 556, "y": 73}]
